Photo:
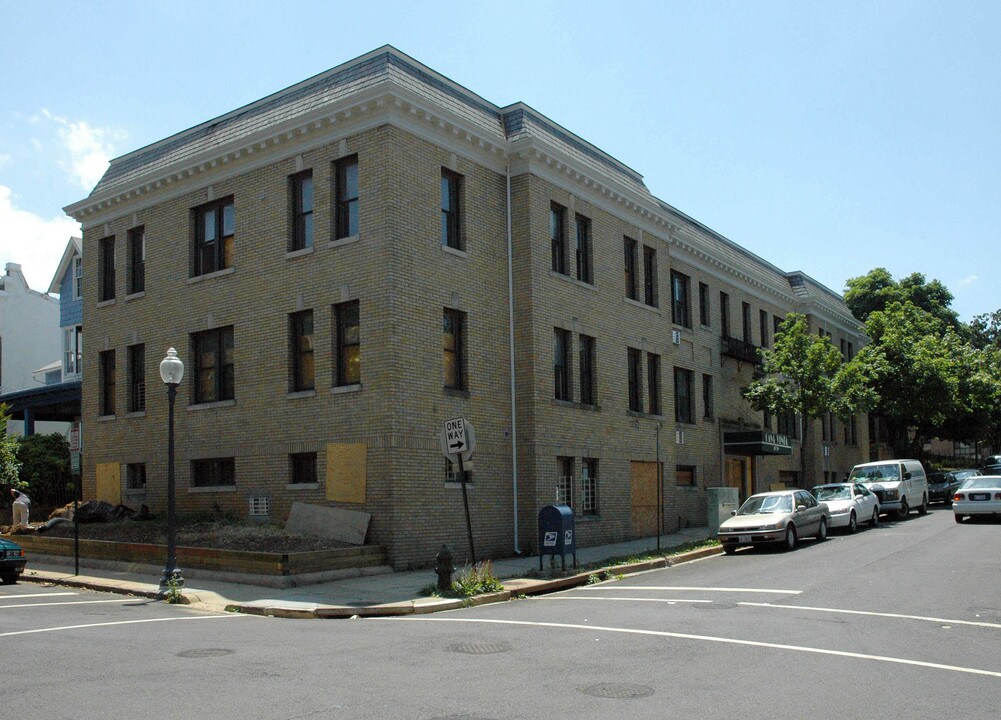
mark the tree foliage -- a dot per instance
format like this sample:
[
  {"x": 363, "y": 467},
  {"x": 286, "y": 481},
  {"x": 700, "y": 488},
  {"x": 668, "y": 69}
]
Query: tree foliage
[
  {"x": 9, "y": 464},
  {"x": 877, "y": 290},
  {"x": 45, "y": 469}
]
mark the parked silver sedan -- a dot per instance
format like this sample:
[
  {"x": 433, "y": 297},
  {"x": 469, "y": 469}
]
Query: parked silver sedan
[
  {"x": 780, "y": 517},
  {"x": 978, "y": 497},
  {"x": 849, "y": 504}
]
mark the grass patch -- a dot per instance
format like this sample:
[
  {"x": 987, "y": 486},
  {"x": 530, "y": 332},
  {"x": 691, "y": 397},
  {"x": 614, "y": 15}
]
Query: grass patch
[{"x": 470, "y": 581}]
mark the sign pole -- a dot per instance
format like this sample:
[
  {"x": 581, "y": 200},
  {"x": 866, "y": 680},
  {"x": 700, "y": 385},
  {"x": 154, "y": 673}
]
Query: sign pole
[{"x": 465, "y": 504}]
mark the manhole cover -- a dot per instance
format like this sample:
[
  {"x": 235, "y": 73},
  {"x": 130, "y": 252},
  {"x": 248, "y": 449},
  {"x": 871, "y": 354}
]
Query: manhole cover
[
  {"x": 205, "y": 653},
  {"x": 618, "y": 691},
  {"x": 715, "y": 605},
  {"x": 480, "y": 648}
]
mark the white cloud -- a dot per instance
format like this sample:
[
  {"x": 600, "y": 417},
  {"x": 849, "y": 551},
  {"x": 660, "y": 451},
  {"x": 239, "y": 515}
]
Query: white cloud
[
  {"x": 89, "y": 148},
  {"x": 34, "y": 242},
  {"x": 969, "y": 280}
]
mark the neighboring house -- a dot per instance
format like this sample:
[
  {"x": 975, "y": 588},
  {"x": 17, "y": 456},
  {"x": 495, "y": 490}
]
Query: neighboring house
[
  {"x": 53, "y": 401},
  {"x": 29, "y": 340},
  {"x": 345, "y": 264}
]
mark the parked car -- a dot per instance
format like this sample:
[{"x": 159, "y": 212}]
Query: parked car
[
  {"x": 779, "y": 517},
  {"x": 978, "y": 496},
  {"x": 849, "y": 504},
  {"x": 942, "y": 486},
  {"x": 900, "y": 485},
  {"x": 991, "y": 470},
  {"x": 12, "y": 561},
  {"x": 990, "y": 460}
]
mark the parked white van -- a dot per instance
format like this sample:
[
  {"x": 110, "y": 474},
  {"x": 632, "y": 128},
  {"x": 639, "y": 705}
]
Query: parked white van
[{"x": 900, "y": 485}]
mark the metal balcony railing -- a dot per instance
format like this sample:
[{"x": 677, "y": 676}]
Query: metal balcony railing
[{"x": 739, "y": 349}]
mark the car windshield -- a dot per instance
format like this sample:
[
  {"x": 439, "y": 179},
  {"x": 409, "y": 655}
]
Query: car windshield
[
  {"x": 832, "y": 492},
  {"x": 937, "y": 477},
  {"x": 981, "y": 483},
  {"x": 873, "y": 473},
  {"x": 766, "y": 504},
  {"x": 966, "y": 474}
]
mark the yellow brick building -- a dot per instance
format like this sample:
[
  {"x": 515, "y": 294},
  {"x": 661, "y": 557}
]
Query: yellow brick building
[{"x": 346, "y": 264}]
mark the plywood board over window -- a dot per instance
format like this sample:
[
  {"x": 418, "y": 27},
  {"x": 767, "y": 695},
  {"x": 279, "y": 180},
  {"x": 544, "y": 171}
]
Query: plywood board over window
[
  {"x": 109, "y": 483},
  {"x": 346, "y": 472}
]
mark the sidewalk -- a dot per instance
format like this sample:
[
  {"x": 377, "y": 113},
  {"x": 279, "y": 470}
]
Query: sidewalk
[{"x": 395, "y": 593}]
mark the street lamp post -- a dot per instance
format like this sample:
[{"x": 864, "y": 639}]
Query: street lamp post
[{"x": 171, "y": 372}]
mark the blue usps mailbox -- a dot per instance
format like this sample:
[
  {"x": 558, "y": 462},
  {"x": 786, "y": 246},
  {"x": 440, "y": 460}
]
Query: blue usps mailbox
[{"x": 556, "y": 533}]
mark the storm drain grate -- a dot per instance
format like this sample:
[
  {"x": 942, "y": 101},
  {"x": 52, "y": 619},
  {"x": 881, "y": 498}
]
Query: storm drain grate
[
  {"x": 205, "y": 653},
  {"x": 480, "y": 648},
  {"x": 618, "y": 691}
]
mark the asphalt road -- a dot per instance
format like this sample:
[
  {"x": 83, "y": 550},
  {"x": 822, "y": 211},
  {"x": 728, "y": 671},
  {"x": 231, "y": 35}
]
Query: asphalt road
[{"x": 902, "y": 621}]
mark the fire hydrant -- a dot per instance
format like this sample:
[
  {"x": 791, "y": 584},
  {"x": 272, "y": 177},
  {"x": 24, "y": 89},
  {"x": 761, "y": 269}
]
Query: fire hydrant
[{"x": 444, "y": 568}]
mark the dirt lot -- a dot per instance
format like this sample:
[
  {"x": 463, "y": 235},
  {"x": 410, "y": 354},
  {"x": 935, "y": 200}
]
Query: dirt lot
[{"x": 213, "y": 534}]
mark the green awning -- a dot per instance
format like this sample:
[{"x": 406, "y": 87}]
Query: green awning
[{"x": 756, "y": 442}]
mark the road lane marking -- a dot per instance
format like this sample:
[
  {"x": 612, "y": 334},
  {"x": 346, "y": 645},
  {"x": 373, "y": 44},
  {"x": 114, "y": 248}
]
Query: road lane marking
[
  {"x": 70, "y": 602},
  {"x": 709, "y": 638},
  {"x": 119, "y": 622},
  {"x": 620, "y": 599},
  {"x": 682, "y": 588},
  {"x": 875, "y": 614},
  {"x": 34, "y": 595}
]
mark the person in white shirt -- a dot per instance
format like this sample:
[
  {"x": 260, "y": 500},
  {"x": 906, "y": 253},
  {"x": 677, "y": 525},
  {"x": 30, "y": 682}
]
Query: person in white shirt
[{"x": 21, "y": 507}]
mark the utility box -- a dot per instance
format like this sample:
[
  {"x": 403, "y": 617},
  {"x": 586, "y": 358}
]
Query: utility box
[
  {"x": 722, "y": 502},
  {"x": 556, "y": 533}
]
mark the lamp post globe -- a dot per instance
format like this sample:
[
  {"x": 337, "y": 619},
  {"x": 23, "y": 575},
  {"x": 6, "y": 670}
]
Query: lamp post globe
[{"x": 171, "y": 372}]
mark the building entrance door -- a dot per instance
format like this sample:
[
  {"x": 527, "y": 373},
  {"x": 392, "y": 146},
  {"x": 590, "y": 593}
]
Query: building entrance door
[
  {"x": 739, "y": 475},
  {"x": 643, "y": 498}
]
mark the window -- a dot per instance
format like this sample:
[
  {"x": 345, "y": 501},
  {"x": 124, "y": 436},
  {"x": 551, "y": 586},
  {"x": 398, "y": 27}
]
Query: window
[
  {"x": 853, "y": 427},
  {"x": 851, "y": 352},
  {"x": 704, "y": 304},
  {"x": 564, "y": 481},
  {"x": 557, "y": 234},
  {"x": 583, "y": 249},
  {"x": 137, "y": 260},
  {"x": 72, "y": 349},
  {"x": 302, "y": 468},
  {"x": 787, "y": 424},
  {"x": 106, "y": 277},
  {"x": 589, "y": 486},
  {"x": 629, "y": 253},
  {"x": 724, "y": 314},
  {"x": 214, "y": 472},
  {"x": 588, "y": 377},
  {"x": 766, "y": 420},
  {"x": 107, "y": 363},
  {"x": 452, "y": 473},
  {"x": 347, "y": 354},
  {"x": 450, "y": 236},
  {"x": 635, "y": 399},
  {"x": 653, "y": 383},
  {"x": 137, "y": 378},
  {"x": 135, "y": 476},
  {"x": 214, "y": 228},
  {"x": 745, "y": 318},
  {"x": 301, "y": 206},
  {"x": 213, "y": 376},
  {"x": 683, "y": 410},
  {"x": 650, "y": 276},
  {"x": 776, "y": 324},
  {"x": 77, "y": 277},
  {"x": 680, "y": 310},
  {"x": 301, "y": 351},
  {"x": 708, "y": 411},
  {"x": 763, "y": 326},
  {"x": 346, "y": 192},
  {"x": 685, "y": 475},
  {"x": 561, "y": 364},
  {"x": 453, "y": 330}
]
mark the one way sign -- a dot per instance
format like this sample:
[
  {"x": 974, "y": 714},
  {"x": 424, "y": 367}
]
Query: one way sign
[{"x": 458, "y": 440}]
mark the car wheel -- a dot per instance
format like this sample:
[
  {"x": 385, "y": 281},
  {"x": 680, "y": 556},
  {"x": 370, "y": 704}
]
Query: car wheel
[
  {"x": 852, "y": 523},
  {"x": 923, "y": 510},
  {"x": 875, "y": 517},
  {"x": 904, "y": 510},
  {"x": 729, "y": 549},
  {"x": 9, "y": 579},
  {"x": 790, "y": 543},
  {"x": 947, "y": 502},
  {"x": 959, "y": 518},
  {"x": 822, "y": 530}
]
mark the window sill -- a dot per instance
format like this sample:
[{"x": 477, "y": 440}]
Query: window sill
[
  {"x": 637, "y": 303},
  {"x": 212, "y": 488},
  {"x": 211, "y": 275},
  {"x": 345, "y": 389},
  {"x": 454, "y": 251},
  {"x": 589, "y": 518},
  {"x": 135, "y": 296},
  {"x": 106, "y": 303},
  {"x": 648, "y": 416},
  {"x": 136, "y": 414},
  {"x": 106, "y": 418},
  {"x": 297, "y": 394},
  {"x": 340, "y": 242},
  {"x": 571, "y": 279},
  {"x": 453, "y": 392},
  {"x": 578, "y": 405},
  {"x": 682, "y": 328},
  {"x": 302, "y": 486},
  {"x": 212, "y": 405},
  {"x": 299, "y": 253}
]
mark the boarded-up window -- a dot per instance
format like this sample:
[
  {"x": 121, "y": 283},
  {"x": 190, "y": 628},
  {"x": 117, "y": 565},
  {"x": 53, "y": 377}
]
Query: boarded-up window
[{"x": 346, "y": 472}]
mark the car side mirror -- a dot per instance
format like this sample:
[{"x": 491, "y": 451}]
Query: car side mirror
[
  {"x": 907, "y": 476},
  {"x": 800, "y": 507},
  {"x": 733, "y": 513}
]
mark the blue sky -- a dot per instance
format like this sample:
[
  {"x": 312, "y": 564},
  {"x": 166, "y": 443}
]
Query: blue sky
[{"x": 830, "y": 138}]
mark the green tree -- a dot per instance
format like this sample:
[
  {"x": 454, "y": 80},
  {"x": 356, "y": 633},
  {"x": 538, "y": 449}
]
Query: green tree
[
  {"x": 877, "y": 291},
  {"x": 985, "y": 330},
  {"x": 9, "y": 464},
  {"x": 45, "y": 469}
]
